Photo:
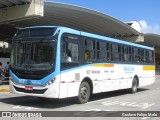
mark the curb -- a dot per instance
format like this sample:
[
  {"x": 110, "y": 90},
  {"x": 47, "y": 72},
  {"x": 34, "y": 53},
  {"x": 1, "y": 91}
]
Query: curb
[{"x": 4, "y": 89}]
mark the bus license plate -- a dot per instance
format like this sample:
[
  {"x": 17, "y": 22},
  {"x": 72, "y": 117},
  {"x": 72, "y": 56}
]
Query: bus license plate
[{"x": 28, "y": 88}]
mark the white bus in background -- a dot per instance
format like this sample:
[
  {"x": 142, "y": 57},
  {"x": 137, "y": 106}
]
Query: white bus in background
[{"x": 40, "y": 65}]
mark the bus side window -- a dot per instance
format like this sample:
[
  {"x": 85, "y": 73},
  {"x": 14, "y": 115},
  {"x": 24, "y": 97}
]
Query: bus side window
[
  {"x": 136, "y": 55},
  {"x": 116, "y": 52},
  {"x": 88, "y": 49},
  {"x": 130, "y": 54},
  {"x": 142, "y": 55},
  {"x": 108, "y": 51},
  {"x": 126, "y": 55},
  {"x": 119, "y": 53},
  {"x": 147, "y": 56},
  {"x": 64, "y": 49},
  {"x": 87, "y": 55},
  {"x": 69, "y": 52},
  {"x": 151, "y": 57}
]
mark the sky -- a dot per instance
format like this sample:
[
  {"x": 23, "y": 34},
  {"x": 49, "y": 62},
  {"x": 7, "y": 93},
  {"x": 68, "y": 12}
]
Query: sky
[{"x": 144, "y": 11}]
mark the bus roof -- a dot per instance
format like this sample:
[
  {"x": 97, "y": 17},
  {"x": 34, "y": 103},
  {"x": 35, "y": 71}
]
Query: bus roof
[{"x": 86, "y": 34}]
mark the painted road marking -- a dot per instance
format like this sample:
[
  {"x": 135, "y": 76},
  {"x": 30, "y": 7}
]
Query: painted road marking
[
  {"x": 26, "y": 108},
  {"x": 129, "y": 104},
  {"x": 144, "y": 118},
  {"x": 17, "y": 107},
  {"x": 100, "y": 100}
]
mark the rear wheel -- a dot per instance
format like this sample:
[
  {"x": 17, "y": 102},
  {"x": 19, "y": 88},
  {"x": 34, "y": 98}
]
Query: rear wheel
[
  {"x": 84, "y": 93},
  {"x": 134, "y": 86}
]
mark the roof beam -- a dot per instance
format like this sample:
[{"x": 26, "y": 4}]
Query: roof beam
[
  {"x": 6, "y": 3},
  {"x": 19, "y": 12},
  {"x": 26, "y": 1},
  {"x": 15, "y": 2}
]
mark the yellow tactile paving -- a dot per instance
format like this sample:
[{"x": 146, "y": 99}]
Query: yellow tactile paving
[{"x": 4, "y": 89}]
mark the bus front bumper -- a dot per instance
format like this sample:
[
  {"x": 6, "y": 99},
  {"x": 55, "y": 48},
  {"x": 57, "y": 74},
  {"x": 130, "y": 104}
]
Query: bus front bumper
[{"x": 50, "y": 91}]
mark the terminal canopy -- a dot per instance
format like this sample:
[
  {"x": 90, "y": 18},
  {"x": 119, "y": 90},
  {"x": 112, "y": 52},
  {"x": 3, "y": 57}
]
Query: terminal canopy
[
  {"x": 59, "y": 14},
  {"x": 152, "y": 40},
  {"x": 10, "y": 3}
]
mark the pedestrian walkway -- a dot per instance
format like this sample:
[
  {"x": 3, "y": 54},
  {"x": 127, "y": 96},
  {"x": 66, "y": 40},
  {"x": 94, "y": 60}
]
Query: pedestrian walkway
[{"x": 4, "y": 88}]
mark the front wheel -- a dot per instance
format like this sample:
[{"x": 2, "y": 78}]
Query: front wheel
[
  {"x": 134, "y": 86},
  {"x": 84, "y": 93}
]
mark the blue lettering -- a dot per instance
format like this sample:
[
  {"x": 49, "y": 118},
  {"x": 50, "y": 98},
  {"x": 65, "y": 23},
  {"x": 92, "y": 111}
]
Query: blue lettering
[{"x": 129, "y": 69}]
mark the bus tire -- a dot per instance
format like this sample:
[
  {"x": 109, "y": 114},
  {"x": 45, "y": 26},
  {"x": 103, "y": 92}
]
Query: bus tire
[
  {"x": 134, "y": 86},
  {"x": 84, "y": 93}
]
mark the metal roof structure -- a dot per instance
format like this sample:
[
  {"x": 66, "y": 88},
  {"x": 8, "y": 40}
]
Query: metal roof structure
[
  {"x": 83, "y": 19},
  {"x": 10, "y": 3},
  {"x": 152, "y": 40},
  {"x": 58, "y": 14}
]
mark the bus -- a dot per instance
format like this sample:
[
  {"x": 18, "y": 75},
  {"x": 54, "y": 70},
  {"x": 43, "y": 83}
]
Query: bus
[{"x": 60, "y": 62}]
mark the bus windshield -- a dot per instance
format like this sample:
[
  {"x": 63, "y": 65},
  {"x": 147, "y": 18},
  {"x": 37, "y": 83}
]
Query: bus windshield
[{"x": 33, "y": 55}]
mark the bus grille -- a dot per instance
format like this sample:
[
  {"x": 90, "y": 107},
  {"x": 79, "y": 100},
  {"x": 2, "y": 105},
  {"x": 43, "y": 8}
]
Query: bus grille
[
  {"x": 33, "y": 91},
  {"x": 36, "y": 75}
]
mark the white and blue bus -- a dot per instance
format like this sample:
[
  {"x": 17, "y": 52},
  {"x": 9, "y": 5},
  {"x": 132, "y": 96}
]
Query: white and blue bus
[{"x": 60, "y": 62}]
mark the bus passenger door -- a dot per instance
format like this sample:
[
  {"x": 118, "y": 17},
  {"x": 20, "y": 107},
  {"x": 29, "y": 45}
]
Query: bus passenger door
[{"x": 70, "y": 58}]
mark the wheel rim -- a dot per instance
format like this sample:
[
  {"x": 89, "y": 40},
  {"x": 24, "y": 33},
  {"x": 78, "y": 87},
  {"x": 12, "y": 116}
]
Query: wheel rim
[{"x": 84, "y": 92}]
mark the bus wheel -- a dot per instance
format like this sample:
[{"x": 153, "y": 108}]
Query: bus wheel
[
  {"x": 84, "y": 93},
  {"x": 134, "y": 86}
]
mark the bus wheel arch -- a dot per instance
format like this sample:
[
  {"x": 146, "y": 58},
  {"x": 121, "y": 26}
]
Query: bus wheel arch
[
  {"x": 85, "y": 91},
  {"x": 135, "y": 84},
  {"x": 89, "y": 81}
]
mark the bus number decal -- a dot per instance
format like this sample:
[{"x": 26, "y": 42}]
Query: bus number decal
[{"x": 93, "y": 71}]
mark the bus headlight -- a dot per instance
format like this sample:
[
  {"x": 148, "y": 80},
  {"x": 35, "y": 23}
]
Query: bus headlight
[{"x": 51, "y": 81}]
